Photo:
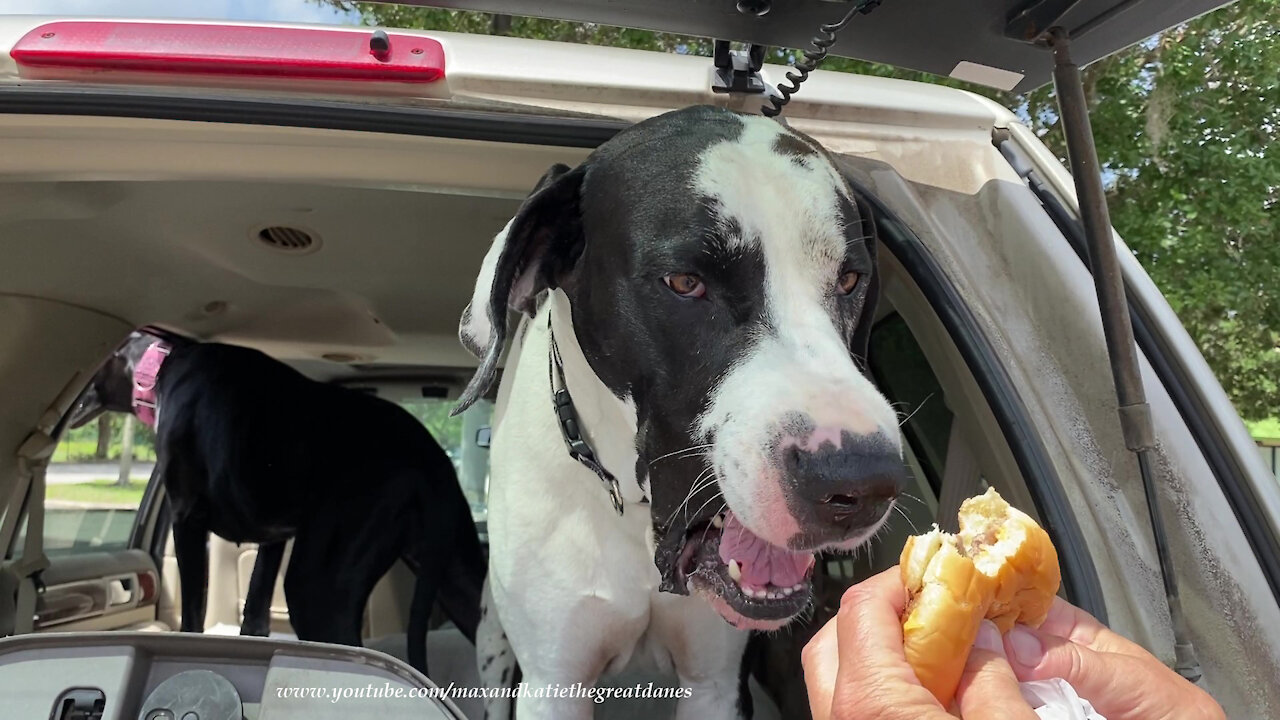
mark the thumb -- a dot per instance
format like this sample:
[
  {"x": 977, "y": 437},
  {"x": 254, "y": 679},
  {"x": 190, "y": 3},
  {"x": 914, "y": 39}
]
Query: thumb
[
  {"x": 989, "y": 688},
  {"x": 1118, "y": 685}
]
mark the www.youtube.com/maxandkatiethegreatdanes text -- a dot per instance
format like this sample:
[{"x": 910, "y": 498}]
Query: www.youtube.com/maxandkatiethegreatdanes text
[{"x": 452, "y": 691}]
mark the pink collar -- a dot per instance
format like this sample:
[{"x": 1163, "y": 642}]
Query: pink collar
[{"x": 144, "y": 382}]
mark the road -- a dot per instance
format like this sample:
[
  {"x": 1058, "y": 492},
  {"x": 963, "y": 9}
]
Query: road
[{"x": 74, "y": 473}]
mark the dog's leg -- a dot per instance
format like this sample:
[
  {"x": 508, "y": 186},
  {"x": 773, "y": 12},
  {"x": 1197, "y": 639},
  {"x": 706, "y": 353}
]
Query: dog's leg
[
  {"x": 262, "y": 585},
  {"x": 321, "y": 608},
  {"x": 708, "y": 656},
  {"x": 191, "y": 545},
  {"x": 567, "y": 647},
  {"x": 495, "y": 660},
  {"x": 721, "y": 694}
]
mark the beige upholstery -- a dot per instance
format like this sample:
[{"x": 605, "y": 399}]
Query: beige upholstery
[{"x": 231, "y": 567}]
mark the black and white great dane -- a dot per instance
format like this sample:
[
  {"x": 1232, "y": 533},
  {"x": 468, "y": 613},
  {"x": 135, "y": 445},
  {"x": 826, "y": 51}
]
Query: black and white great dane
[{"x": 703, "y": 287}]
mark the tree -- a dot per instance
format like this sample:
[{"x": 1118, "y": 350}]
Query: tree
[
  {"x": 1185, "y": 125},
  {"x": 103, "y": 445}
]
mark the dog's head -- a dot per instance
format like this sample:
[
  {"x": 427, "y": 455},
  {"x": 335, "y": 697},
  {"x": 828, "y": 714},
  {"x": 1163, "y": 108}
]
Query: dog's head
[
  {"x": 111, "y": 389},
  {"x": 721, "y": 277}
]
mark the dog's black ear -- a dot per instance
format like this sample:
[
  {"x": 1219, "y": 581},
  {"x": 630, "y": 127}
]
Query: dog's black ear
[
  {"x": 529, "y": 256},
  {"x": 862, "y": 332}
]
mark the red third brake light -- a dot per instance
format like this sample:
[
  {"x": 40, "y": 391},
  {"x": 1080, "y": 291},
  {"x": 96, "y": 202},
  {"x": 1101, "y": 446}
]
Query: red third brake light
[{"x": 312, "y": 53}]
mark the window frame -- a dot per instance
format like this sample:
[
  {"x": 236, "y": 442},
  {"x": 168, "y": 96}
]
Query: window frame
[{"x": 1079, "y": 574}]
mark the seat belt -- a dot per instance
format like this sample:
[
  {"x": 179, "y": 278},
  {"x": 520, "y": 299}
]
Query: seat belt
[{"x": 33, "y": 461}]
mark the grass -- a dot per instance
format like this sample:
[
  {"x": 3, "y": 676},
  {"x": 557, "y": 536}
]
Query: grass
[
  {"x": 82, "y": 450},
  {"x": 98, "y": 491},
  {"x": 1268, "y": 429}
]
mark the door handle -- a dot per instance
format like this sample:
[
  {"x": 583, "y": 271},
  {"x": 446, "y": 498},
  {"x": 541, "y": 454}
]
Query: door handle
[{"x": 118, "y": 593}]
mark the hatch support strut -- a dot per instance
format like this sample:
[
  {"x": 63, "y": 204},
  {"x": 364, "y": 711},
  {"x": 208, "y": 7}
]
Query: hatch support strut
[{"x": 1135, "y": 413}]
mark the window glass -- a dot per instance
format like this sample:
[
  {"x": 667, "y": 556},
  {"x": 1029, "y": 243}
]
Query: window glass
[
  {"x": 94, "y": 485},
  {"x": 902, "y": 373},
  {"x": 465, "y": 439}
]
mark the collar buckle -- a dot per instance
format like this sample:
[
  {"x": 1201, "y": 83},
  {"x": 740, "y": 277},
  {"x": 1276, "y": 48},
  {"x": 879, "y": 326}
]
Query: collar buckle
[{"x": 571, "y": 425}]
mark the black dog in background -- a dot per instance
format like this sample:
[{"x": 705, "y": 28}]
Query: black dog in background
[{"x": 253, "y": 451}]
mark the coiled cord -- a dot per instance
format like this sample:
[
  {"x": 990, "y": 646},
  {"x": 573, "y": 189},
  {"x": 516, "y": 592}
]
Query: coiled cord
[{"x": 822, "y": 43}]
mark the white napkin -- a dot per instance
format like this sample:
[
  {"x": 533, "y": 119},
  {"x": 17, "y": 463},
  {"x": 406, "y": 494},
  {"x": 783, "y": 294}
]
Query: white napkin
[{"x": 1055, "y": 699}]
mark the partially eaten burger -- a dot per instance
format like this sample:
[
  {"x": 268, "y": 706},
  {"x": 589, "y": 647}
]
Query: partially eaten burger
[{"x": 1000, "y": 566}]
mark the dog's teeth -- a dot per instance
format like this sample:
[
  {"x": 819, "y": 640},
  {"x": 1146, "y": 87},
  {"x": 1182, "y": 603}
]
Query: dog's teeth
[
  {"x": 717, "y": 521},
  {"x": 797, "y": 587},
  {"x": 761, "y": 593},
  {"x": 786, "y": 592},
  {"x": 735, "y": 571}
]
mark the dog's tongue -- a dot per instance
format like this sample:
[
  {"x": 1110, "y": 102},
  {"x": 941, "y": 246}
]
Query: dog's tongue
[{"x": 762, "y": 564}]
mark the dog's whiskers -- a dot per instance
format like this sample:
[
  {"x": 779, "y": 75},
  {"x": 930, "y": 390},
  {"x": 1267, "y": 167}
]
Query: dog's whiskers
[
  {"x": 909, "y": 496},
  {"x": 913, "y": 412},
  {"x": 691, "y": 450},
  {"x": 906, "y": 517},
  {"x": 704, "y": 479},
  {"x": 709, "y": 500},
  {"x": 723, "y": 506}
]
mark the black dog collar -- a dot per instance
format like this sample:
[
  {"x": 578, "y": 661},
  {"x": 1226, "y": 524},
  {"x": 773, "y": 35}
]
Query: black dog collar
[{"x": 571, "y": 426}]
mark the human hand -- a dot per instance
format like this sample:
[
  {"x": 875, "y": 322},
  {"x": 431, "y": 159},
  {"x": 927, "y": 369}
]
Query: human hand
[
  {"x": 855, "y": 667},
  {"x": 1121, "y": 679}
]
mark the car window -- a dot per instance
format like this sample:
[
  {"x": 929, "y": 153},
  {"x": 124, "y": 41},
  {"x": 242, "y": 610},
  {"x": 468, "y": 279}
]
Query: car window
[
  {"x": 902, "y": 373},
  {"x": 94, "y": 485},
  {"x": 465, "y": 439}
]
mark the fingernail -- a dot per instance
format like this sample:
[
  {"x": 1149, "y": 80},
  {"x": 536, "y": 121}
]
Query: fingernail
[
  {"x": 1027, "y": 648},
  {"x": 989, "y": 638}
]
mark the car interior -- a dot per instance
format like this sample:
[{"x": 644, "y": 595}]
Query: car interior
[{"x": 353, "y": 266}]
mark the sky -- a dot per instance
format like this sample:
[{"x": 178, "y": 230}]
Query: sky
[{"x": 305, "y": 11}]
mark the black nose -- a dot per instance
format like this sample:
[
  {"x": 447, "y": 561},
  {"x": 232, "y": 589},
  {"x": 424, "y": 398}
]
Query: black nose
[{"x": 836, "y": 492}]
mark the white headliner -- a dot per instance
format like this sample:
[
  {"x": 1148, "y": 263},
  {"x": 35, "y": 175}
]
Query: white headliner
[
  {"x": 161, "y": 224},
  {"x": 385, "y": 284}
]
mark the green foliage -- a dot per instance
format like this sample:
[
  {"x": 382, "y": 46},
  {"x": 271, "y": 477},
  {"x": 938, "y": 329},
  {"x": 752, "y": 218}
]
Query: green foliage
[
  {"x": 1184, "y": 123},
  {"x": 434, "y": 414},
  {"x": 1268, "y": 429},
  {"x": 80, "y": 444}
]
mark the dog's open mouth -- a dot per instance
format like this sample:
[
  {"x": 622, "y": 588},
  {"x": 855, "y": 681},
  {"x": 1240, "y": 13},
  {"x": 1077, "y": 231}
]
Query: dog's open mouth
[{"x": 752, "y": 584}]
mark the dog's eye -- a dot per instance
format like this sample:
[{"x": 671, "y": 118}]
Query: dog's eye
[
  {"x": 847, "y": 282},
  {"x": 686, "y": 285}
]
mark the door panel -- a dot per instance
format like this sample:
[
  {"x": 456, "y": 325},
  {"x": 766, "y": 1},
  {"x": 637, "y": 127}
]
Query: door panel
[
  {"x": 99, "y": 591},
  {"x": 98, "y": 577}
]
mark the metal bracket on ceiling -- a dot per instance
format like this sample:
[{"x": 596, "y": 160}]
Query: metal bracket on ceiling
[
  {"x": 1034, "y": 21},
  {"x": 738, "y": 71}
]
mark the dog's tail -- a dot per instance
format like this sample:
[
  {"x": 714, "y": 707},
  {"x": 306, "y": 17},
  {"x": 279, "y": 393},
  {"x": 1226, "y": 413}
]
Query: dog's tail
[
  {"x": 452, "y": 573},
  {"x": 424, "y": 592},
  {"x": 463, "y": 581}
]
